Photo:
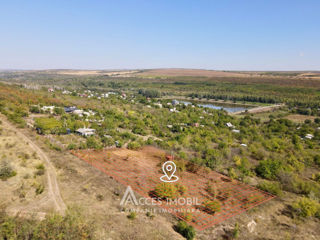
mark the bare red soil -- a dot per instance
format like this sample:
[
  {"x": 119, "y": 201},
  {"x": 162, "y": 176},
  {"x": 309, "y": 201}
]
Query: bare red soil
[{"x": 142, "y": 171}]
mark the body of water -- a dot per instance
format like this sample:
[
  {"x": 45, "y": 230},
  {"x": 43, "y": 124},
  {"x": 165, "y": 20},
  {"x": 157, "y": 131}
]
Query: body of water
[{"x": 227, "y": 107}]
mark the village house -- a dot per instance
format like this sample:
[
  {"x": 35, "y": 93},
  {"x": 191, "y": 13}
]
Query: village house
[
  {"x": 48, "y": 109},
  {"x": 86, "y": 132},
  {"x": 309, "y": 136},
  {"x": 70, "y": 109},
  {"x": 229, "y": 124}
]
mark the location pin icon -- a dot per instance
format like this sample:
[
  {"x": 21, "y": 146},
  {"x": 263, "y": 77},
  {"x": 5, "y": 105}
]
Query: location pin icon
[{"x": 169, "y": 168}]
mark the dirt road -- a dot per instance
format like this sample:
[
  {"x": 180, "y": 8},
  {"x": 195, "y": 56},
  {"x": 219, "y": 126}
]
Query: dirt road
[
  {"x": 53, "y": 190},
  {"x": 260, "y": 109}
]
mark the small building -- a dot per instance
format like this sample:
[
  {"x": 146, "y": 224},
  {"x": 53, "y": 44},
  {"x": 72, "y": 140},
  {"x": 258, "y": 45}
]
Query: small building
[
  {"x": 236, "y": 131},
  {"x": 158, "y": 104},
  {"x": 50, "y": 90},
  {"x": 78, "y": 112},
  {"x": 70, "y": 109},
  {"x": 175, "y": 102},
  {"x": 48, "y": 108},
  {"x": 86, "y": 132},
  {"x": 229, "y": 124},
  {"x": 309, "y": 136}
]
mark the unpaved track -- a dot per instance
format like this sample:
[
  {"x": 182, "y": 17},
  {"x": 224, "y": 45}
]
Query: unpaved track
[
  {"x": 53, "y": 189},
  {"x": 260, "y": 109}
]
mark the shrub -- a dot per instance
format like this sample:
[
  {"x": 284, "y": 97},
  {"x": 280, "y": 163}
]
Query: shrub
[
  {"x": 169, "y": 190},
  {"x": 187, "y": 216},
  {"x": 181, "y": 165},
  {"x": 212, "y": 189},
  {"x": 99, "y": 197},
  {"x": 193, "y": 167},
  {"x": 132, "y": 215},
  {"x": 72, "y": 146},
  {"x": 134, "y": 145},
  {"x": 268, "y": 168},
  {"x": 236, "y": 231},
  {"x": 306, "y": 207},
  {"x": 212, "y": 206},
  {"x": 316, "y": 177},
  {"x": 271, "y": 187},
  {"x": 40, "y": 169},
  {"x": 317, "y": 160},
  {"x": 94, "y": 143},
  {"x": 232, "y": 173},
  {"x": 39, "y": 189},
  {"x": 185, "y": 230},
  {"x": 6, "y": 170}
]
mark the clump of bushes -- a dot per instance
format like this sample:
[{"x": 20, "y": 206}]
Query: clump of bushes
[
  {"x": 316, "y": 177},
  {"x": 6, "y": 170},
  {"x": 72, "y": 226},
  {"x": 93, "y": 143},
  {"x": 134, "y": 145},
  {"x": 185, "y": 230},
  {"x": 212, "y": 206},
  {"x": 271, "y": 187},
  {"x": 268, "y": 168},
  {"x": 132, "y": 215},
  {"x": 306, "y": 207},
  {"x": 317, "y": 160},
  {"x": 169, "y": 190},
  {"x": 187, "y": 216},
  {"x": 40, "y": 169},
  {"x": 39, "y": 188}
]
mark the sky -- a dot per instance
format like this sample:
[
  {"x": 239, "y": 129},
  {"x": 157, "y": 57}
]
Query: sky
[{"x": 135, "y": 34}]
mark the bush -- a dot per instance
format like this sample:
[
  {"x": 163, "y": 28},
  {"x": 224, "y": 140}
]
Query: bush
[
  {"x": 94, "y": 143},
  {"x": 40, "y": 169},
  {"x": 132, "y": 215},
  {"x": 317, "y": 160},
  {"x": 185, "y": 230},
  {"x": 6, "y": 170},
  {"x": 316, "y": 177},
  {"x": 169, "y": 190},
  {"x": 39, "y": 189},
  {"x": 187, "y": 216},
  {"x": 268, "y": 168},
  {"x": 306, "y": 207},
  {"x": 212, "y": 206},
  {"x": 72, "y": 146},
  {"x": 271, "y": 187},
  {"x": 134, "y": 145},
  {"x": 236, "y": 231}
]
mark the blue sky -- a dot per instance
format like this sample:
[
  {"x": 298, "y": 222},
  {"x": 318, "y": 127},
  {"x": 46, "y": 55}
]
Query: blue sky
[{"x": 222, "y": 35}]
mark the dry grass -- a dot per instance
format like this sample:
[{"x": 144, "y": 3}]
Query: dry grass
[
  {"x": 175, "y": 72},
  {"x": 299, "y": 118}
]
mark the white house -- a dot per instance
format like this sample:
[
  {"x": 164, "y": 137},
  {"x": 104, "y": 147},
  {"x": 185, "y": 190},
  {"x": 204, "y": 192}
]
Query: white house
[
  {"x": 48, "y": 108},
  {"x": 309, "y": 136},
  {"x": 86, "y": 132},
  {"x": 229, "y": 124},
  {"x": 78, "y": 112}
]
